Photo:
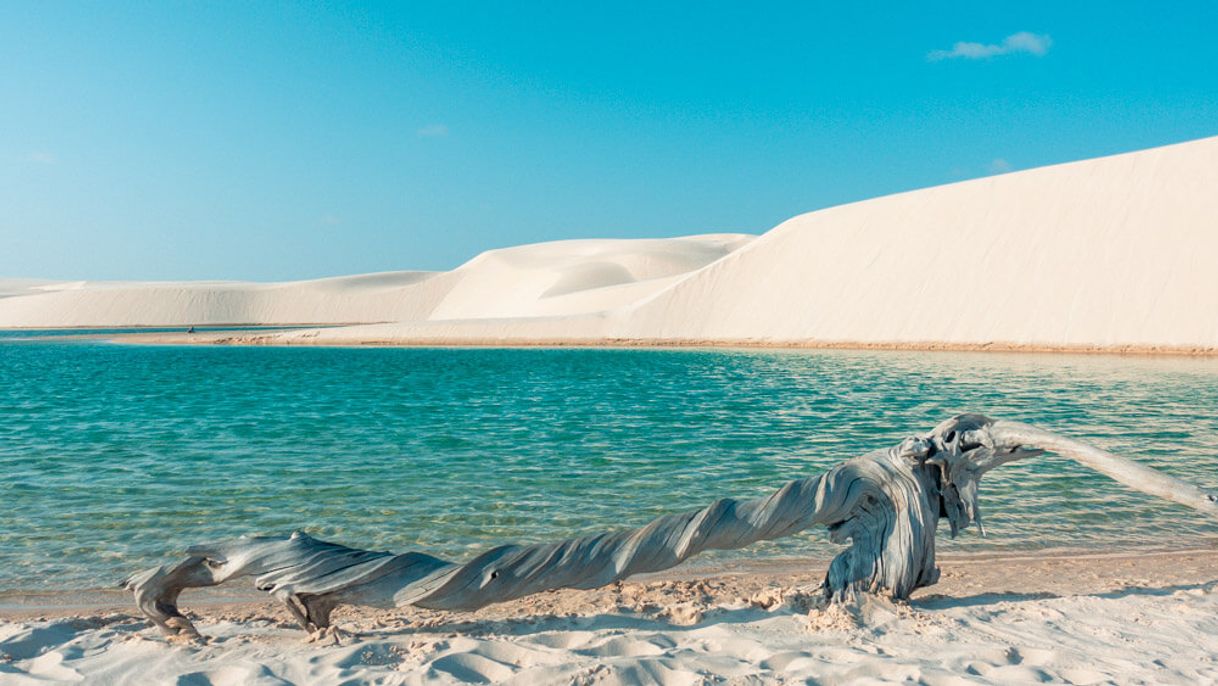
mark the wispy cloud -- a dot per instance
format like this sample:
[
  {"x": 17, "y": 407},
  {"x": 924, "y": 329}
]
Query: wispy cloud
[
  {"x": 433, "y": 131},
  {"x": 1031, "y": 43},
  {"x": 42, "y": 157},
  {"x": 999, "y": 166}
]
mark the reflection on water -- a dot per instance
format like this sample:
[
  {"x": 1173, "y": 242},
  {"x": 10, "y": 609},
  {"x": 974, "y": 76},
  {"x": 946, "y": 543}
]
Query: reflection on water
[{"x": 115, "y": 457}]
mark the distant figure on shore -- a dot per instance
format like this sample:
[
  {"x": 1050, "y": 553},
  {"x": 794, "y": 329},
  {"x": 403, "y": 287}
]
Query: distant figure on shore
[{"x": 191, "y": 330}]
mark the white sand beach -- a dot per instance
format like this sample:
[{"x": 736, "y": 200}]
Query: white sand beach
[
  {"x": 1137, "y": 618},
  {"x": 1109, "y": 254}
]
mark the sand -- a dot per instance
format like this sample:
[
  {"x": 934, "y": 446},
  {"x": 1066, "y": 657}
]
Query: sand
[
  {"x": 1113, "y": 254},
  {"x": 1110, "y": 252},
  {"x": 1129, "y": 618},
  {"x": 559, "y": 278}
]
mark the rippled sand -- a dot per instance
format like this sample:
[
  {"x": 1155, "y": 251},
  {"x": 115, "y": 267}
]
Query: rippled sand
[{"x": 1120, "y": 618}]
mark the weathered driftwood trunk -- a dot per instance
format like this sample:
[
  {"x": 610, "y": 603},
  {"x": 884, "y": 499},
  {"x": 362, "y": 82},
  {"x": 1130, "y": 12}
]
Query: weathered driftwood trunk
[{"x": 887, "y": 504}]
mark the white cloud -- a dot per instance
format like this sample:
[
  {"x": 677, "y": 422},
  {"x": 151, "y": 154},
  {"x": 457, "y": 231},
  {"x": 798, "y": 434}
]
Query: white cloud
[
  {"x": 1030, "y": 43},
  {"x": 42, "y": 157},
  {"x": 999, "y": 166},
  {"x": 433, "y": 131}
]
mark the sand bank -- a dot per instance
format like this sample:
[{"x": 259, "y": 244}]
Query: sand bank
[
  {"x": 1149, "y": 617},
  {"x": 367, "y": 337}
]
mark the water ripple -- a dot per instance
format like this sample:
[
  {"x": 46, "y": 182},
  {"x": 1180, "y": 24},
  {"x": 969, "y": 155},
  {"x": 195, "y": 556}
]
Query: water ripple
[{"x": 115, "y": 456}]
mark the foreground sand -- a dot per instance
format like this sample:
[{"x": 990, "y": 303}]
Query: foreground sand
[{"x": 1150, "y": 617}]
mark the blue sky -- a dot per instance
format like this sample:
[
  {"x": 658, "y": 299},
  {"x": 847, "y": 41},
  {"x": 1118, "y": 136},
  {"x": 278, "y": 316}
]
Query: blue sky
[{"x": 277, "y": 140}]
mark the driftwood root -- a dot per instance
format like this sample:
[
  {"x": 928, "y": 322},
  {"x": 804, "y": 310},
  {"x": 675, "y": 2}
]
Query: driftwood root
[{"x": 886, "y": 505}]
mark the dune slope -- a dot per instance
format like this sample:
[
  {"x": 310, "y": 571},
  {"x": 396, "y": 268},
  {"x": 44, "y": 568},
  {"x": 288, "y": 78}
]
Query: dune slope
[{"x": 1106, "y": 252}]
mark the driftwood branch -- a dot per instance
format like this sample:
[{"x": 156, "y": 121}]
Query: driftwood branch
[{"x": 887, "y": 504}]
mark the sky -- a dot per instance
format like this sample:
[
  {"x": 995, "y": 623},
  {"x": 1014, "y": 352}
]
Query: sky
[{"x": 274, "y": 141}]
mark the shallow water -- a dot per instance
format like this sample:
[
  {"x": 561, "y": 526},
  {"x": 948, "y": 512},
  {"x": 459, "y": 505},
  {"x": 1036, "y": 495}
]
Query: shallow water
[{"x": 114, "y": 457}]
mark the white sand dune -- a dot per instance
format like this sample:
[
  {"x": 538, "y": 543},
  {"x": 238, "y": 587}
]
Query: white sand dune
[
  {"x": 386, "y": 297},
  {"x": 565, "y": 278},
  {"x": 1090, "y": 620},
  {"x": 1116, "y": 251},
  {"x": 1111, "y": 253},
  {"x": 12, "y": 287},
  {"x": 559, "y": 278}
]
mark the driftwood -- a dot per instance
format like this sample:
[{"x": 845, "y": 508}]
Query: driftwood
[{"x": 887, "y": 504}]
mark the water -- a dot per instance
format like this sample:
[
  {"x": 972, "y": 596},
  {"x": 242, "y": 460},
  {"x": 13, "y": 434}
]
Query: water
[{"x": 114, "y": 457}]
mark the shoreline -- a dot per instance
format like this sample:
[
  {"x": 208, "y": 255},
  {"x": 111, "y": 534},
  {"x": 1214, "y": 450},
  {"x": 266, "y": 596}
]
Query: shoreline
[
  {"x": 225, "y": 337},
  {"x": 204, "y": 328},
  {"x": 1186, "y": 565}
]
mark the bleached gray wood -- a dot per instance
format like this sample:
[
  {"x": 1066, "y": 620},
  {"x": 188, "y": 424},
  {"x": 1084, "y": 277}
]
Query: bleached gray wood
[{"x": 887, "y": 504}]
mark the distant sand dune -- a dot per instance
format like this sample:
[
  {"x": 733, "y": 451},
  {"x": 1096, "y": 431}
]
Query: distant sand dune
[
  {"x": 544, "y": 279},
  {"x": 560, "y": 278},
  {"x": 382, "y": 297},
  {"x": 1115, "y": 253}
]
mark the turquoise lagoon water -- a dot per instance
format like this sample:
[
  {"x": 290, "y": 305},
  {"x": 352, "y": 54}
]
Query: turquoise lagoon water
[{"x": 114, "y": 457}]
